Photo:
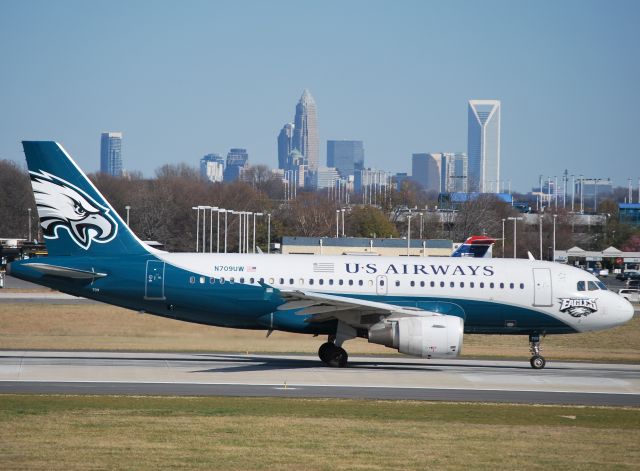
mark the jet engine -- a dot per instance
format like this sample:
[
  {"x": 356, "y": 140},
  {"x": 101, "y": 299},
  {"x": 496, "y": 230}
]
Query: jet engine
[{"x": 437, "y": 336}]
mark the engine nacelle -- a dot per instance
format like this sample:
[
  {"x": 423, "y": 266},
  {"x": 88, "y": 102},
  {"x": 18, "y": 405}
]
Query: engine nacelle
[{"x": 421, "y": 336}]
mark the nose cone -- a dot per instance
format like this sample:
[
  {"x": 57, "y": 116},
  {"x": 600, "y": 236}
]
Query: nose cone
[{"x": 624, "y": 311}]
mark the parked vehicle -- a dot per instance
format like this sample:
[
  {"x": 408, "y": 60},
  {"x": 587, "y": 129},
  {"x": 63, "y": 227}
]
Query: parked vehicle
[
  {"x": 625, "y": 275},
  {"x": 632, "y": 295},
  {"x": 633, "y": 284}
]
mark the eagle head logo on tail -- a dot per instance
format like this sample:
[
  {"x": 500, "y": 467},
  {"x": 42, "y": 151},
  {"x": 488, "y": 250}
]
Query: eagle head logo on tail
[{"x": 63, "y": 206}]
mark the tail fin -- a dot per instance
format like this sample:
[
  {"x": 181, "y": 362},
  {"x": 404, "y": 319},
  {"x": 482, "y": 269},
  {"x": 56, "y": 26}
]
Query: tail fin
[
  {"x": 75, "y": 218},
  {"x": 475, "y": 246}
]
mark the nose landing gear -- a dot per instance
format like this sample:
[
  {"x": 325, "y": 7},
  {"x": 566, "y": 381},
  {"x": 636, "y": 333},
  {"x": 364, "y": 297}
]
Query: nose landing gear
[{"x": 537, "y": 361}]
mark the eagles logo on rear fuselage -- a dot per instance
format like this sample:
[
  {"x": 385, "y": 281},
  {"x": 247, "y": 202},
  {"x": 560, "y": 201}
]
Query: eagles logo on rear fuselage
[{"x": 63, "y": 206}]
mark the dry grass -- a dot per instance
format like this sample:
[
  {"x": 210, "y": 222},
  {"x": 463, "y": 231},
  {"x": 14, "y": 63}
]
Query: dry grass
[
  {"x": 49, "y": 432},
  {"x": 103, "y": 327}
]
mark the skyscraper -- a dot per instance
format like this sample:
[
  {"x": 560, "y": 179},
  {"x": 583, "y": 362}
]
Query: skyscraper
[
  {"x": 305, "y": 133},
  {"x": 111, "y": 153},
  {"x": 345, "y": 156},
  {"x": 237, "y": 161},
  {"x": 483, "y": 145},
  {"x": 212, "y": 167},
  {"x": 285, "y": 146},
  {"x": 454, "y": 174},
  {"x": 425, "y": 169}
]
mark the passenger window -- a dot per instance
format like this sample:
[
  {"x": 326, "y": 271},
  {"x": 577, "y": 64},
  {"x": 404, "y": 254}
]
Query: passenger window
[
  {"x": 482, "y": 284},
  {"x": 321, "y": 281},
  {"x": 261, "y": 280},
  {"x": 501, "y": 285},
  {"x": 397, "y": 282},
  {"x": 462, "y": 284},
  {"x": 290, "y": 281},
  {"x": 281, "y": 281},
  {"x": 381, "y": 282},
  {"x": 433, "y": 284},
  {"x": 442, "y": 284},
  {"x": 521, "y": 285},
  {"x": 331, "y": 281},
  {"x": 422, "y": 284},
  {"x": 192, "y": 279},
  {"x": 241, "y": 280},
  {"x": 581, "y": 286},
  {"x": 370, "y": 282},
  {"x": 340, "y": 282},
  {"x": 452, "y": 284},
  {"x": 222, "y": 280},
  {"x": 511, "y": 285},
  {"x": 202, "y": 279},
  {"x": 232, "y": 280},
  {"x": 472, "y": 285},
  {"x": 310, "y": 281},
  {"x": 271, "y": 281},
  {"x": 212, "y": 280},
  {"x": 252, "y": 280},
  {"x": 413, "y": 283},
  {"x": 360, "y": 282},
  {"x": 593, "y": 286},
  {"x": 301, "y": 281},
  {"x": 491, "y": 285},
  {"x": 350, "y": 282}
]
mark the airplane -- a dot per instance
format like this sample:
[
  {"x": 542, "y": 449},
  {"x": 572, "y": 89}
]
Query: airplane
[
  {"x": 420, "y": 306},
  {"x": 475, "y": 246}
]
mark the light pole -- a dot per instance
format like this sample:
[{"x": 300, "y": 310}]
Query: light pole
[
  {"x": 515, "y": 244},
  {"x": 226, "y": 211},
  {"x": 503, "y": 237},
  {"x": 595, "y": 200},
  {"x": 573, "y": 191},
  {"x": 254, "y": 230},
  {"x": 127, "y": 207},
  {"x": 29, "y": 216},
  {"x": 554, "y": 237},
  {"x": 540, "y": 216},
  {"x": 581, "y": 195},
  {"x": 421, "y": 218},
  {"x": 342, "y": 211},
  {"x": 337, "y": 222},
  {"x": 197, "y": 208},
  {"x": 268, "y": 232},
  {"x": 218, "y": 231},
  {"x": 212, "y": 209},
  {"x": 408, "y": 233},
  {"x": 204, "y": 226}
]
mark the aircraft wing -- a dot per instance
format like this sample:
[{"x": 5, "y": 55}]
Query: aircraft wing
[{"x": 351, "y": 310}]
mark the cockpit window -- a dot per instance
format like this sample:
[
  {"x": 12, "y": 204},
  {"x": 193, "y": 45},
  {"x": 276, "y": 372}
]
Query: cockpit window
[
  {"x": 581, "y": 286},
  {"x": 593, "y": 286},
  {"x": 601, "y": 285}
]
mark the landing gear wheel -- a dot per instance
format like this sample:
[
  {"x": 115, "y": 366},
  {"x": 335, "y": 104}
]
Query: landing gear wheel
[
  {"x": 537, "y": 362},
  {"x": 337, "y": 357},
  {"x": 323, "y": 351}
]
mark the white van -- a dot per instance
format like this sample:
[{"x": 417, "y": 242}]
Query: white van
[{"x": 632, "y": 295}]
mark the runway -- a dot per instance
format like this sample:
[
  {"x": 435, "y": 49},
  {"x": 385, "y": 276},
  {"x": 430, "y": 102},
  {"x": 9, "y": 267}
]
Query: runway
[{"x": 396, "y": 378}]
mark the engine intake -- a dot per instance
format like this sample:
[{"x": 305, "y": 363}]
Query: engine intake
[{"x": 437, "y": 336}]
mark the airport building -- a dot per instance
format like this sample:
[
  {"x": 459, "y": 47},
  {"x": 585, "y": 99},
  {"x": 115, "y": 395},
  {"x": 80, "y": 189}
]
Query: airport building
[
  {"x": 366, "y": 246},
  {"x": 111, "y": 153}
]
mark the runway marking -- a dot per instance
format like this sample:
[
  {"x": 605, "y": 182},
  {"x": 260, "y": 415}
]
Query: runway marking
[{"x": 302, "y": 386}]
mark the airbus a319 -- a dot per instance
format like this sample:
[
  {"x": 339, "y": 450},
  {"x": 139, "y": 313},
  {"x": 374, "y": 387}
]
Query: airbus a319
[{"x": 418, "y": 306}]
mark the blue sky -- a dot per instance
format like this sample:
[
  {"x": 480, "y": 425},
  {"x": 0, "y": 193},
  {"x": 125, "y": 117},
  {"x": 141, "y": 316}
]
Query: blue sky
[{"x": 182, "y": 79}]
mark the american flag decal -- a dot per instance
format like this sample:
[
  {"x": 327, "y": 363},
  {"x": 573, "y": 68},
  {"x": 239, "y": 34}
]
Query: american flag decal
[
  {"x": 251, "y": 268},
  {"x": 323, "y": 267}
]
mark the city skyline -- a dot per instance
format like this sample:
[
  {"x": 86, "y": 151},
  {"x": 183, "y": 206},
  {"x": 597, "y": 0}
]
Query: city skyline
[
  {"x": 111, "y": 153},
  {"x": 483, "y": 146},
  {"x": 391, "y": 81}
]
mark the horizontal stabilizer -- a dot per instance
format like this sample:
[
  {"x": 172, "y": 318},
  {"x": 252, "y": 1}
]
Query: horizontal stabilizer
[{"x": 65, "y": 272}]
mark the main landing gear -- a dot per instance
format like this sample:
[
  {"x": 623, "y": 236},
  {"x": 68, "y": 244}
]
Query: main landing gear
[
  {"x": 537, "y": 361},
  {"x": 332, "y": 352},
  {"x": 333, "y": 355}
]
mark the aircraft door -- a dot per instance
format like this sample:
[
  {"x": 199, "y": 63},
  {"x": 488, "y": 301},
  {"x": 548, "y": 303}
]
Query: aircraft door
[
  {"x": 382, "y": 287},
  {"x": 154, "y": 282},
  {"x": 542, "y": 294}
]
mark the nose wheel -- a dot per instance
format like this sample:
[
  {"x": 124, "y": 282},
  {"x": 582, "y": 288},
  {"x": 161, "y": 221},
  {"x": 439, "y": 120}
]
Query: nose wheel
[{"x": 537, "y": 361}]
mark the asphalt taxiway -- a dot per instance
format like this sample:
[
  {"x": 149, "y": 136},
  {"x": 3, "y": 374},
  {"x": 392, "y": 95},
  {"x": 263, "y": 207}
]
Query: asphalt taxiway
[{"x": 397, "y": 378}]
